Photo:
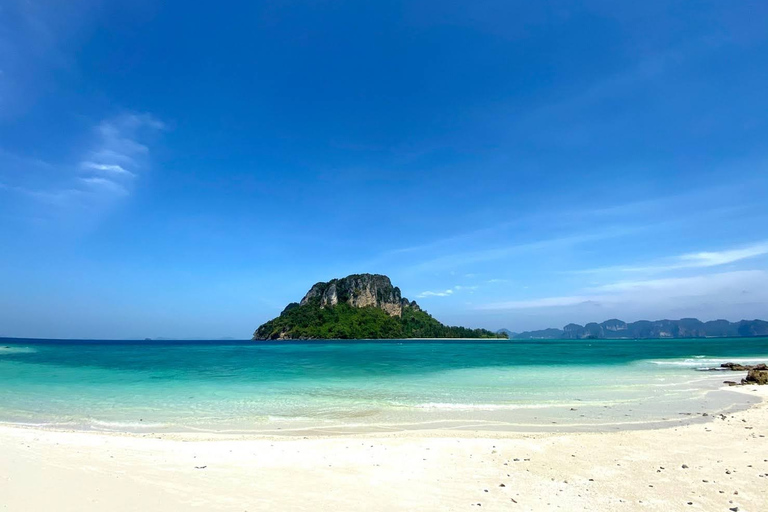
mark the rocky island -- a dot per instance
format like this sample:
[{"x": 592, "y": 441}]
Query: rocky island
[
  {"x": 645, "y": 329},
  {"x": 359, "y": 306}
]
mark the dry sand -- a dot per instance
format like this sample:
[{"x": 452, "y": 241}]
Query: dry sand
[{"x": 718, "y": 465}]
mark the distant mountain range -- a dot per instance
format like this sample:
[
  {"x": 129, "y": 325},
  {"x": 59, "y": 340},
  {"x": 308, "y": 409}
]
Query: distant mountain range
[{"x": 616, "y": 329}]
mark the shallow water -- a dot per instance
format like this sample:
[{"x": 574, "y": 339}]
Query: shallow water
[{"x": 361, "y": 385}]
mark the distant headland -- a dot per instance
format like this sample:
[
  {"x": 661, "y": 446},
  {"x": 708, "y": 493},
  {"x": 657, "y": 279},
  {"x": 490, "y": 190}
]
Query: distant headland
[
  {"x": 617, "y": 329},
  {"x": 359, "y": 306}
]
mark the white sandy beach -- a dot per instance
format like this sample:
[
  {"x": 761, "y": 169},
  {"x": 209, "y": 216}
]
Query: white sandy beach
[{"x": 718, "y": 465}]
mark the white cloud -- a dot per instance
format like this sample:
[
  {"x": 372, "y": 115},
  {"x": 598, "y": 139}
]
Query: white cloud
[
  {"x": 567, "y": 233},
  {"x": 725, "y": 288},
  {"x": 107, "y": 168},
  {"x": 711, "y": 259},
  {"x": 445, "y": 293},
  {"x": 119, "y": 149},
  {"x": 110, "y": 168},
  {"x": 461, "y": 258},
  {"x": 702, "y": 259},
  {"x": 680, "y": 286}
]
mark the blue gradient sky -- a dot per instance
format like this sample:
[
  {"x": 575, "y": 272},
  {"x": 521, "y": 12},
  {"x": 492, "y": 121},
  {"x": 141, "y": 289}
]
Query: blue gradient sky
[{"x": 178, "y": 170}]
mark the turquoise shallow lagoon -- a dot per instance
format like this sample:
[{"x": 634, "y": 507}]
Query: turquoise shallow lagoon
[{"x": 296, "y": 387}]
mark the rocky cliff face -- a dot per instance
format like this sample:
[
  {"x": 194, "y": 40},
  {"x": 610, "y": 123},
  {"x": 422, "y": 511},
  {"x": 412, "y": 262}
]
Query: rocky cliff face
[{"x": 359, "y": 291}]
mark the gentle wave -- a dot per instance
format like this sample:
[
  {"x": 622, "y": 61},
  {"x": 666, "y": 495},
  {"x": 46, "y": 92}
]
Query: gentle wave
[
  {"x": 703, "y": 362},
  {"x": 40, "y": 424},
  {"x": 124, "y": 425}
]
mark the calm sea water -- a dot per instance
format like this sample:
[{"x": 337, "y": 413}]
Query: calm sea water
[{"x": 157, "y": 386}]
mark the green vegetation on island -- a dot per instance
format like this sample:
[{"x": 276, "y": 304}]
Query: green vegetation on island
[{"x": 360, "y": 306}]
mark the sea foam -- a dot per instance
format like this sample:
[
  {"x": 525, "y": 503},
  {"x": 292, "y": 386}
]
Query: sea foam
[{"x": 705, "y": 362}]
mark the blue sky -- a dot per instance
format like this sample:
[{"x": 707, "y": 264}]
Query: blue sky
[{"x": 182, "y": 171}]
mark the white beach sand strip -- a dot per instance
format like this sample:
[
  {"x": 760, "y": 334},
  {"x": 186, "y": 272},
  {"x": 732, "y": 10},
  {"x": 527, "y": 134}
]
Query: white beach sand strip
[{"x": 719, "y": 465}]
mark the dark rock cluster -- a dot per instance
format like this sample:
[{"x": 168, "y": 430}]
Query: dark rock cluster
[{"x": 756, "y": 374}]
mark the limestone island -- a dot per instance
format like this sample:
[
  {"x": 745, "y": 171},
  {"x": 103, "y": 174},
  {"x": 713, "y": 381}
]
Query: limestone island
[{"x": 359, "y": 306}]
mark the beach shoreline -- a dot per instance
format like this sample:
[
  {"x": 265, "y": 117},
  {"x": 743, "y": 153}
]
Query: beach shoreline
[
  {"x": 713, "y": 465},
  {"x": 494, "y": 419}
]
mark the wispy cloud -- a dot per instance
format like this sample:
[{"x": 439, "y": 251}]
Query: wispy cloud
[
  {"x": 711, "y": 259},
  {"x": 492, "y": 232},
  {"x": 463, "y": 258},
  {"x": 568, "y": 228},
  {"x": 696, "y": 285},
  {"x": 106, "y": 168},
  {"x": 747, "y": 285},
  {"x": 109, "y": 169},
  {"x": 448, "y": 292},
  {"x": 444, "y": 293},
  {"x": 702, "y": 259},
  {"x": 117, "y": 153}
]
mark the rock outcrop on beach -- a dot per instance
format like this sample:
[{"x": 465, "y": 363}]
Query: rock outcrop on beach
[
  {"x": 359, "y": 306},
  {"x": 683, "y": 328},
  {"x": 737, "y": 367},
  {"x": 756, "y": 377},
  {"x": 756, "y": 374}
]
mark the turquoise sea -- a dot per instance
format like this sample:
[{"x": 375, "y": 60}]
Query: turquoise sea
[{"x": 295, "y": 387}]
